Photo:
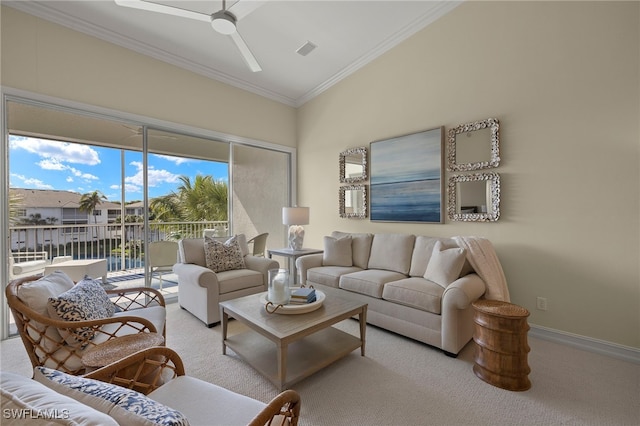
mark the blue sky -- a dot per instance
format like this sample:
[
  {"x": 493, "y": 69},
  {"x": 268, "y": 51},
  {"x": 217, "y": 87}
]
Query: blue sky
[{"x": 45, "y": 164}]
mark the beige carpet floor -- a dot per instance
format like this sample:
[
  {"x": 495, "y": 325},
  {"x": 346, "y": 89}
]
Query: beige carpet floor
[{"x": 402, "y": 382}]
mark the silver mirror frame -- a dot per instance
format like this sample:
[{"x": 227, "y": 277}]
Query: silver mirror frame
[
  {"x": 494, "y": 125},
  {"x": 494, "y": 182},
  {"x": 342, "y": 204},
  {"x": 362, "y": 153}
]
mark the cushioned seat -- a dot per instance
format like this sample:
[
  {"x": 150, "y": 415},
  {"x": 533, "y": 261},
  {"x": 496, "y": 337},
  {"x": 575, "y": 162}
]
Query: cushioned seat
[
  {"x": 210, "y": 271},
  {"x": 415, "y": 292},
  {"x": 330, "y": 275},
  {"x": 369, "y": 282},
  {"x": 58, "y": 320}
]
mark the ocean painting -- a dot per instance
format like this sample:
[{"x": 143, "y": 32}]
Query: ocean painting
[{"x": 406, "y": 178}]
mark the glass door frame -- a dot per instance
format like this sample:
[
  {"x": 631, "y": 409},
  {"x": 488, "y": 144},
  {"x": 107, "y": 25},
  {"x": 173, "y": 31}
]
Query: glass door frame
[{"x": 146, "y": 123}]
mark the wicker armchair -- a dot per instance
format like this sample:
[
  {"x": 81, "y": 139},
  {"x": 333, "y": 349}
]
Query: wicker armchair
[
  {"x": 149, "y": 370},
  {"x": 42, "y": 337}
]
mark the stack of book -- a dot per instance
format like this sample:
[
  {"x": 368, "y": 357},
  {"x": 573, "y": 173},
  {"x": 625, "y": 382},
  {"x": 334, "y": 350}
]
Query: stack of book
[{"x": 303, "y": 295}]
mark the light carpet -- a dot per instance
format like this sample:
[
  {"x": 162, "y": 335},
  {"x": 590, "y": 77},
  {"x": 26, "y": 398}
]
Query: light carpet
[{"x": 403, "y": 382}]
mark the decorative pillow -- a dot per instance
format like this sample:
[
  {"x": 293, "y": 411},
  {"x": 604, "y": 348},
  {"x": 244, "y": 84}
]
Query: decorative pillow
[
  {"x": 223, "y": 256},
  {"x": 242, "y": 242},
  {"x": 87, "y": 300},
  {"x": 337, "y": 252},
  {"x": 445, "y": 265},
  {"x": 124, "y": 405},
  {"x": 23, "y": 398}
]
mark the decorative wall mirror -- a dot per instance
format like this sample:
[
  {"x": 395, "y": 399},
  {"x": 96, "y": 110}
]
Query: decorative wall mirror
[
  {"x": 474, "y": 146},
  {"x": 353, "y": 165},
  {"x": 353, "y": 201},
  {"x": 474, "y": 197}
]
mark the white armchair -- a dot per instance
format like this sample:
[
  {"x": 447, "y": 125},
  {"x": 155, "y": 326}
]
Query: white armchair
[{"x": 200, "y": 289}]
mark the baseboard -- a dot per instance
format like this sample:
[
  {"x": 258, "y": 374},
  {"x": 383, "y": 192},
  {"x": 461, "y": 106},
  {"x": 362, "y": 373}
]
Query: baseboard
[{"x": 625, "y": 353}]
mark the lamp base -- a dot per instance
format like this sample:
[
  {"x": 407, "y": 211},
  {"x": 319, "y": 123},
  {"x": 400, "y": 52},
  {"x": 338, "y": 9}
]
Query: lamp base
[{"x": 296, "y": 236}]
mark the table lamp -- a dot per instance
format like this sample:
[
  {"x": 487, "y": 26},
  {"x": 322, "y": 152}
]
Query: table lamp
[{"x": 295, "y": 217}]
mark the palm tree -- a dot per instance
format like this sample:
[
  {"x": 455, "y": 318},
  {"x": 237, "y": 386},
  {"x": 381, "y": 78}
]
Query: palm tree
[
  {"x": 89, "y": 201},
  {"x": 205, "y": 199},
  {"x": 34, "y": 219}
]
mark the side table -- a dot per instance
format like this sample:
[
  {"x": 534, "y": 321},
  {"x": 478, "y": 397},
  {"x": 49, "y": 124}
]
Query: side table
[
  {"x": 500, "y": 335},
  {"x": 292, "y": 255}
]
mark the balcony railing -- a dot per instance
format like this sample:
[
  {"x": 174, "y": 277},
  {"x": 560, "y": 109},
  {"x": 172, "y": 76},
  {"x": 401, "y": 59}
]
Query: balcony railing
[{"x": 121, "y": 244}]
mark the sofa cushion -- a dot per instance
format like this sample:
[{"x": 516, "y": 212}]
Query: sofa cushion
[
  {"x": 391, "y": 252},
  {"x": 422, "y": 250},
  {"x": 191, "y": 250},
  {"x": 360, "y": 247},
  {"x": 190, "y": 395},
  {"x": 36, "y": 294},
  {"x": 242, "y": 242},
  {"x": 445, "y": 264},
  {"x": 369, "y": 281},
  {"x": 329, "y": 275},
  {"x": 337, "y": 252},
  {"x": 124, "y": 405},
  {"x": 222, "y": 257},
  {"x": 415, "y": 292},
  {"x": 239, "y": 279},
  {"x": 20, "y": 394},
  {"x": 87, "y": 300}
]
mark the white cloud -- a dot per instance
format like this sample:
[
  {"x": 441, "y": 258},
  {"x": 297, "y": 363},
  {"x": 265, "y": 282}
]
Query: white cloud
[
  {"x": 176, "y": 160},
  {"x": 155, "y": 177},
  {"x": 31, "y": 183},
  {"x": 61, "y": 152}
]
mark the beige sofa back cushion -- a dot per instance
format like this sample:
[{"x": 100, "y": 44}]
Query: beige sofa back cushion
[
  {"x": 392, "y": 252},
  {"x": 191, "y": 250},
  {"x": 360, "y": 247}
]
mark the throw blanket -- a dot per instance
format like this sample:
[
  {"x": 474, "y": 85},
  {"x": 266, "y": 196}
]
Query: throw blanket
[{"x": 484, "y": 260}]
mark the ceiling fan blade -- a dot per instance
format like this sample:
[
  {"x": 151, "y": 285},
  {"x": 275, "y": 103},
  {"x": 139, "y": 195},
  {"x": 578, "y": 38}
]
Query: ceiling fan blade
[
  {"x": 242, "y": 8},
  {"x": 161, "y": 8},
  {"x": 245, "y": 52}
]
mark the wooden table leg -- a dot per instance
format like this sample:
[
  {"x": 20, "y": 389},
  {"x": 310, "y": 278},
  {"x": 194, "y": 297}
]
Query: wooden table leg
[
  {"x": 363, "y": 328},
  {"x": 282, "y": 364},
  {"x": 224, "y": 321}
]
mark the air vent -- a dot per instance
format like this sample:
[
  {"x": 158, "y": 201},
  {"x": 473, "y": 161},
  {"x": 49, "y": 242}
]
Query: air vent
[{"x": 306, "y": 48}]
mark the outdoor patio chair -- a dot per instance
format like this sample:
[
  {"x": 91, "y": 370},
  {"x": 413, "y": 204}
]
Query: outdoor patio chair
[
  {"x": 59, "y": 344},
  {"x": 162, "y": 256},
  {"x": 259, "y": 244},
  {"x": 159, "y": 373}
]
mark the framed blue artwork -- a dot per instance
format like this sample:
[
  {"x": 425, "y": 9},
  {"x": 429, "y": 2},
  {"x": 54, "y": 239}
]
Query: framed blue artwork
[{"x": 407, "y": 178}]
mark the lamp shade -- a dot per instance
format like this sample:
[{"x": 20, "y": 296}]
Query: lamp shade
[{"x": 295, "y": 215}]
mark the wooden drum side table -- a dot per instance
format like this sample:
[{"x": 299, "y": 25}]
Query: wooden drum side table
[{"x": 500, "y": 335}]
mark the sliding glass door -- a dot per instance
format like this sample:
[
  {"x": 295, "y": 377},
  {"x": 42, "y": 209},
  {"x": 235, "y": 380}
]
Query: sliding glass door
[{"x": 84, "y": 184}]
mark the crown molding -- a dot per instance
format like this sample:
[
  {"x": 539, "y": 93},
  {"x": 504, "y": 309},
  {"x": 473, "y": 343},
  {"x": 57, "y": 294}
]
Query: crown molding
[
  {"x": 418, "y": 24},
  {"x": 40, "y": 10}
]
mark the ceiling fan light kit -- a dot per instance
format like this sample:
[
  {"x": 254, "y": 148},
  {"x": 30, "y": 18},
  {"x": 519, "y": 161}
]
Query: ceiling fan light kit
[{"x": 224, "y": 22}]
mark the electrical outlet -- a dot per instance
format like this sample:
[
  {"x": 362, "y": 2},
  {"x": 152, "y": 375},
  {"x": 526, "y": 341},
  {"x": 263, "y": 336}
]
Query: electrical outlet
[{"x": 541, "y": 303}]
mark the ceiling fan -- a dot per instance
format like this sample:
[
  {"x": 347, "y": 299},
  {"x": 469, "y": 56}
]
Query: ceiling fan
[{"x": 223, "y": 21}]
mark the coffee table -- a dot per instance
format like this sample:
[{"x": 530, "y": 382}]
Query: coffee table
[{"x": 288, "y": 348}]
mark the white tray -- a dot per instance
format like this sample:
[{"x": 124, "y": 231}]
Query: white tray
[{"x": 293, "y": 309}]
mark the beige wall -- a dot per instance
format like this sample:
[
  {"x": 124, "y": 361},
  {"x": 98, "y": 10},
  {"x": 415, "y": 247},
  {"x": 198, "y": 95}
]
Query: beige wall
[
  {"x": 563, "y": 78},
  {"x": 45, "y": 58}
]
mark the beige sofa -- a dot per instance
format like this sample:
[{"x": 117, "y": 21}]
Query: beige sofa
[
  {"x": 200, "y": 289},
  {"x": 418, "y": 286}
]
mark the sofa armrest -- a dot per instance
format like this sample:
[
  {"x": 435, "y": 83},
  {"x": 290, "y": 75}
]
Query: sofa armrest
[
  {"x": 461, "y": 293},
  {"x": 192, "y": 274},
  {"x": 303, "y": 263},
  {"x": 262, "y": 265}
]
